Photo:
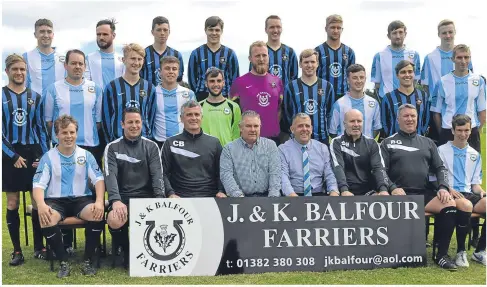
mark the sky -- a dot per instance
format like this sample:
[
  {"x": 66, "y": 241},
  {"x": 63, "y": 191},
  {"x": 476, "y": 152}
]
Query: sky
[{"x": 365, "y": 24}]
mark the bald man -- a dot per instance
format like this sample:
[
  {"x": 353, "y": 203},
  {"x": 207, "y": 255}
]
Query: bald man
[{"x": 356, "y": 160}]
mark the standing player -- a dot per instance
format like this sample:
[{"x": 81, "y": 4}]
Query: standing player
[
  {"x": 212, "y": 54},
  {"x": 311, "y": 95},
  {"x": 459, "y": 92},
  {"x": 385, "y": 61},
  {"x": 61, "y": 189},
  {"x": 154, "y": 53},
  {"x": 221, "y": 116},
  {"x": 464, "y": 166},
  {"x": 129, "y": 90},
  {"x": 44, "y": 63},
  {"x": 356, "y": 99},
  {"x": 282, "y": 58},
  {"x": 334, "y": 57},
  {"x": 23, "y": 143},
  {"x": 260, "y": 91},
  {"x": 405, "y": 94},
  {"x": 169, "y": 97}
]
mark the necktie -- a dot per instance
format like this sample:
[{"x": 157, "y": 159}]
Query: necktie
[{"x": 306, "y": 177}]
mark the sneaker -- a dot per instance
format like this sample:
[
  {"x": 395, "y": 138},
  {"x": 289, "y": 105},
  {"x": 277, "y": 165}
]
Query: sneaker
[
  {"x": 474, "y": 242},
  {"x": 41, "y": 254},
  {"x": 88, "y": 269},
  {"x": 17, "y": 258},
  {"x": 446, "y": 263},
  {"x": 461, "y": 259},
  {"x": 64, "y": 270},
  {"x": 479, "y": 257},
  {"x": 70, "y": 251}
]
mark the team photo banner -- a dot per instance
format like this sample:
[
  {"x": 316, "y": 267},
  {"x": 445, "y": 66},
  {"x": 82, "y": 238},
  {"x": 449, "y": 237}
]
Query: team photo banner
[{"x": 210, "y": 236}]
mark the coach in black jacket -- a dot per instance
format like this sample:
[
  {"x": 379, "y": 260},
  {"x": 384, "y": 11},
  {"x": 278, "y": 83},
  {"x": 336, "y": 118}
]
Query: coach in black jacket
[
  {"x": 191, "y": 159},
  {"x": 409, "y": 158},
  {"x": 357, "y": 162}
]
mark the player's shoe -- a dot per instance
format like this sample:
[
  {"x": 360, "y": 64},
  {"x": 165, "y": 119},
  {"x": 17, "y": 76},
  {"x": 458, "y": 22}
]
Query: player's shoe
[
  {"x": 461, "y": 259},
  {"x": 88, "y": 268},
  {"x": 40, "y": 254},
  {"x": 446, "y": 263},
  {"x": 64, "y": 270},
  {"x": 479, "y": 257},
  {"x": 70, "y": 251},
  {"x": 17, "y": 258}
]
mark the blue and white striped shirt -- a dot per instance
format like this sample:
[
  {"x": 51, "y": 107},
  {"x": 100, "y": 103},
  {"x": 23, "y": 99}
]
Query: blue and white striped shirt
[
  {"x": 43, "y": 70},
  {"x": 102, "y": 67},
  {"x": 63, "y": 176}
]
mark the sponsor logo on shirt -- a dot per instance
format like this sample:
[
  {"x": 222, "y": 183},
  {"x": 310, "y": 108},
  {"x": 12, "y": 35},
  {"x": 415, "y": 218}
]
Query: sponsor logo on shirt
[
  {"x": 276, "y": 70},
  {"x": 310, "y": 107},
  {"x": 335, "y": 69},
  {"x": 263, "y": 98},
  {"x": 20, "y": 117},
  {"x": 132, "y": 104}
]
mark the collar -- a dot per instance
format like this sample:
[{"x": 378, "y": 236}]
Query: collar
[
  {"x": 65, "y": 156},
  {"x": 132, "y": 142},
  {"x": 349, "y": 137},
  {"x": 308, "y": 145},
  {"x": 245, "y": 144},
  {"x": 409, "y": 135},
  {"x": 193, "y": 136}
]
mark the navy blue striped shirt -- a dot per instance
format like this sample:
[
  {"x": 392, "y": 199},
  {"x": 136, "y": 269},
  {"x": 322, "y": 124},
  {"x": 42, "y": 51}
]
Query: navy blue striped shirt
[
  {"x": 283, "y": 63},
  {"x": 315, "y": 100},
  {"x": 393, "y": 100},
  {"x": 22, "y": 120},
  {"x": 119, "y": 95},
  {"x": 152, "y": 64},
  {"x": 333, "y": 64},
  {"x": 202, "y": 58}
]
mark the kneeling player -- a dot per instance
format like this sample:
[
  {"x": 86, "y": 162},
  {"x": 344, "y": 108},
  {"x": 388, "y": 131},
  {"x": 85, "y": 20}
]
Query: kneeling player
[
  {"x": 133, "y": 169},
  {"x": 61, "y": 189},
  {"x": 408, "y": 158},
  {"x": 464, "y": 173}
]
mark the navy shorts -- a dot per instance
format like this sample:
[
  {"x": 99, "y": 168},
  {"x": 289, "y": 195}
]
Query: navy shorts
[{"x": 20, "y": 179}]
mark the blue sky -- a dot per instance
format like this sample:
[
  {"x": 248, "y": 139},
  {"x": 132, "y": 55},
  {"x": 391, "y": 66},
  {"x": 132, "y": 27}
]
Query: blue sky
[{"x": 365, "y": 24}]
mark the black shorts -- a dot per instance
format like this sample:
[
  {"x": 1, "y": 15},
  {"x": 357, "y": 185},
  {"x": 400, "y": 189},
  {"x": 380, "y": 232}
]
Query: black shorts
[
  {"x": 20, "y": 179},
  {"x": 474, "y": 199},
  {"x": 473, "y": 140},
  {"x": 69, "y": 206}
]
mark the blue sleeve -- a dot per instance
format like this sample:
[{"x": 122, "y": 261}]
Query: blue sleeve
[
  {"x": 319, "y": 69},
  {"x": 107, "y": 112},
  {"x": 40, "y": 128},
  {"x": 235, "y": 72},
  {"x": 375, "y": 75},
  {"x": 288, "y": 109},
  {"x": 294, "y": 67},
  {"x": 94, "y": 172},
  {"x": 193, "y": 71},
  {"x": 181, "y": 67},
  {"x": 42, "y": 177},
  {"x": 8, "y": 150},
  {"x": 351, "y": 59},
  {"x": 417, "y": 68},
  {"x": 28, "y": 80}
]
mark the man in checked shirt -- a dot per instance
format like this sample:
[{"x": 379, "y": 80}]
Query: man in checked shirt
[{"x": 250, "y": 165}]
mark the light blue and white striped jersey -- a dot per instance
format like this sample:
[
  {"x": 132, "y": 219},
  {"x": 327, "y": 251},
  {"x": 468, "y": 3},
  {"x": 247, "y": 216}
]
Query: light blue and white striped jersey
[
  {"x": 63, "y": 176},
  {"x": 367, "y": 105},
  {"x": 102, "y": 68},
  {"x": 82, "y": 102},
  {"x": 437, "y": 64},
  {"x": 464, "y": 166},
  {"x": 166, "y": 111},
  {"x": 43, "y": 70},
  {"x": 459, "y": 95},
  {"x": 383, "y": 68}
]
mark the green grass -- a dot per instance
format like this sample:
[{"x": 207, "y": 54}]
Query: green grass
[{"x": 37, "y": 272}]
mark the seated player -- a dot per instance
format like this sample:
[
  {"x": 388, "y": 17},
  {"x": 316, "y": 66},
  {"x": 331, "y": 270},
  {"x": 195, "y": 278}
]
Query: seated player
[
  {"x": 408, "y": 159},
  {"x": 305, "y": 162},
  {"x": 464, "y": 173},
  {"x": 61, "y": 189},
  {"x": 357, "y": 162},
  {"x": 132, "y": 169}
]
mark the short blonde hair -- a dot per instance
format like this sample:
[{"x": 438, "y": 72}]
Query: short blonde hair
[
  {"x": 256, "y": 44},
  {"x": 335, "y": 18},
  {"x": 445, "y": 22},
  {"x": 13, "y": 59},
  {"x": 460, "y": 47},
  {"x": 133, "y": 47},
  {"x": 307, "y": 53}
]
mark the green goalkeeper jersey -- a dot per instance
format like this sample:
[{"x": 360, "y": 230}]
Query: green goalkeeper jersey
[{"x": 221, "y": 120}]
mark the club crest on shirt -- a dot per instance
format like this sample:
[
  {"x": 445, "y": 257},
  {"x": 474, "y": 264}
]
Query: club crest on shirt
[
  {"x": 223, "y": 60},
  {"x": 81, "y": 160},
  {"x": 285, "y": 57},
  {"x": 226, "y": 111},
  {"x": 475, "y": 82},
  {"x": 418, "y": 102},
  {"x": 273, "y": 84},
  {"x": 30, "y": 102},
  {"x": 473, "y": 157},
  {"x": 411, "y": 55},
  {"x": 345, "y": 57},
  {"x": 263, "y": 98},
  {"x": 275, "y": 70},
  {"x": 185, "y": 94},
  {"x": 371, "y": 104},
  {"x": 142, "y": 93},
  {"x": 310, "y": 106},
  {"x": 62, "y": 59},
  {"x": 321, "y": 92},
  {"x": 91, "y": 89}
]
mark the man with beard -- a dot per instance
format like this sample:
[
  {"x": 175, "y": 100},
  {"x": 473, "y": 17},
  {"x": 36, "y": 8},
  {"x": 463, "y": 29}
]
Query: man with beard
[
  {"x": 169, "y": 97},
  {"x": 385, "y": 61},
  {"x": 129, "y": 90},
  {"x": 260, "y": 91},
  {"x": 221, "y": 116},
  {"x": 311, "y": 95},
  {"x": 334, "y": 57},
  {"x": 356, "y": 99},
  {"x": 154, "y": 53}
]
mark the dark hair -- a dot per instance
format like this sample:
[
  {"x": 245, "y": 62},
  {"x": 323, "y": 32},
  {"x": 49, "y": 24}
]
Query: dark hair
[
  {"x": 63, "y": 122},
  {"x": 74, "y": 51},
  {"x": 43, "y": 22},
  {"x": 110, "y": 22},
  {"x": 130, "y": 110},
  {"x": 169, "y": 60},
  {"x": 460, "y": 120},
  {"x": 394, "y": 25},
  {"x": 213, "y": 21},
  {"x": 159, "y": 20},
  {"x": 213, "y": 72},
  {"x": 354, "y": 68},
  {"x": 402, "y": 64},
  {"x": 274, "y": 17}
]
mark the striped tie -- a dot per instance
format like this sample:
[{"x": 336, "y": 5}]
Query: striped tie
[{"x": 306, "y": 177}]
